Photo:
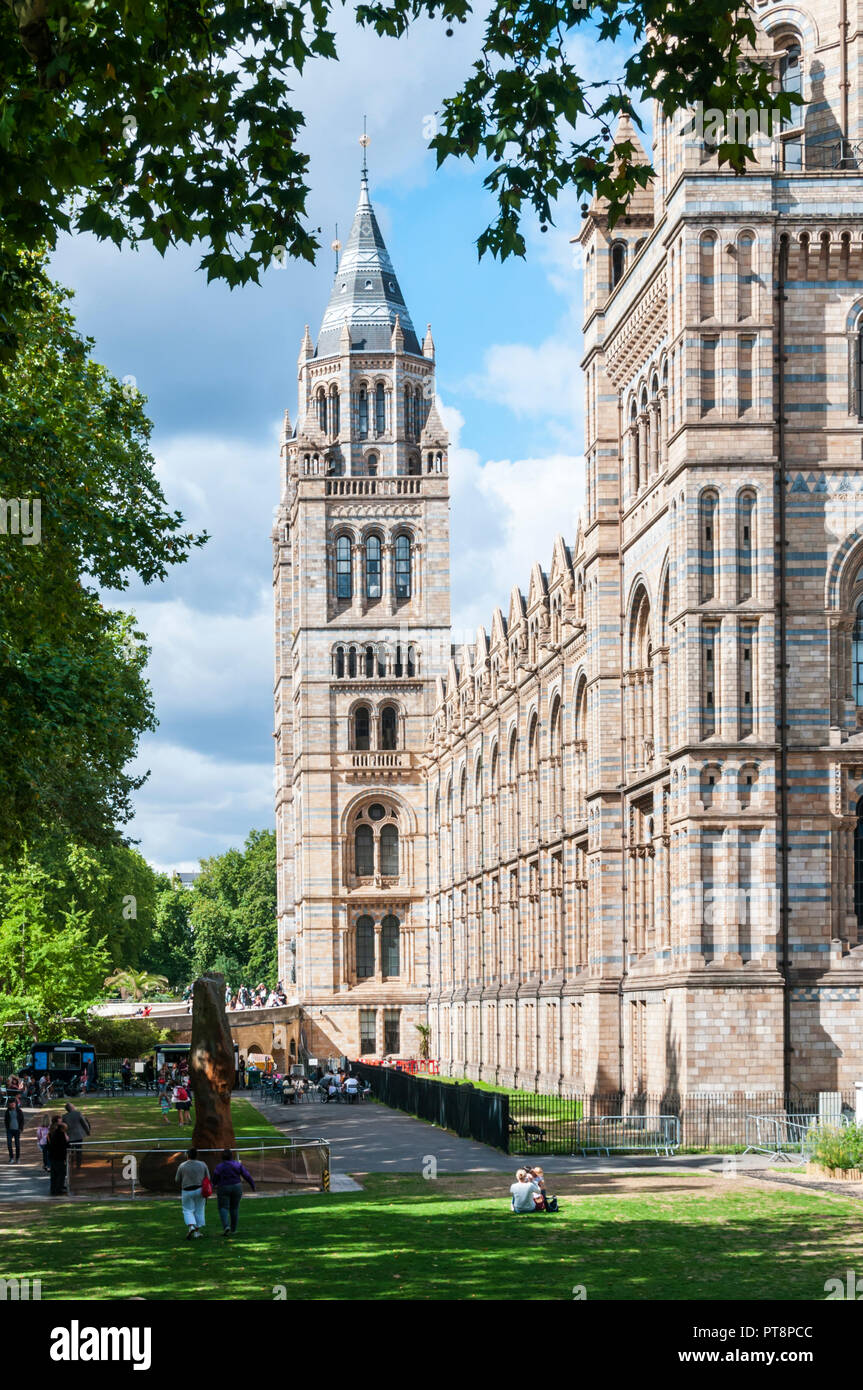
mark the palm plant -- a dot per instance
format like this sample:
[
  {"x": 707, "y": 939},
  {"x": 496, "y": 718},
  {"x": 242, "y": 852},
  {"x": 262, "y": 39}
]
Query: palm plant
[{"x": 136, "y": 983}]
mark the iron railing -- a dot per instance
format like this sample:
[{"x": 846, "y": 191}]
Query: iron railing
[{"x": 557, "y": 1123}]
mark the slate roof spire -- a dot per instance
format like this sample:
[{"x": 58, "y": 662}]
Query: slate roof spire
[{"x": 366, "y": 291}]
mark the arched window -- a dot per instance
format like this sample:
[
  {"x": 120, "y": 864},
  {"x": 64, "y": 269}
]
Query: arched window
[
  {"x": 373, "y": 567},
  {"x": 390, "y": 851},
  {"x": 364, "y": 851},
  {"x": 533, "y": 775},
  {"x": 371, "y": 466},
  {"x": 352, "y": 662},
  {"x": 414, "y": 465},
  {"x": 369, "y": 662},
  {"x": 618, "y": 262},
  {"x": 857, "y": 654},
  {"x": 708, "y": 507},
  {"x": 390, "y": 945},
  {"x": 380, "y": 409},
  {"x": 344, "y": 586},
  {"x": 858, "y": 866},
  {"x": 362, "y": 728},
  {"x": 707, "y": 274},
  {"x": 363, "y": 413},
  {"x": 403, "y": 568},
  {"x": 409, "y": 413},
  {"x": 334, "y": 412},
  {"x": 389, "y": 728},
  {"x": 412, "y": 661},
  {"x": 340, "y": 663},
  {"x": 322, "y": 412},
  {"x": 365, "y": 947},
  {"x": 745, "y": 544},
  {"x": 791, "y": 80},
  {"x": 745, "y": 245}
]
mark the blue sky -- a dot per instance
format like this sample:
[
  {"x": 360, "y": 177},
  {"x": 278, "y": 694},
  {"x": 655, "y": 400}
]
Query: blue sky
[{"x": 218, "y": 368}]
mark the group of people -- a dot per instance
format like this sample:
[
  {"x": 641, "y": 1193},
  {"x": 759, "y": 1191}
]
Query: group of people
[
  {"x": 193, "y": 1177},
  {"x": 174, "y": 1091},
  {"x": 59, "y": 1138},
  {"x": 529, "y": 1194},
  {"x": 258, "y": 998}
]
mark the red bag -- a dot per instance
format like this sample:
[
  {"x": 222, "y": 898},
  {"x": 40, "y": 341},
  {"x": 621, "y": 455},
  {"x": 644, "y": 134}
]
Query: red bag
[{"x": 206, "y": 1188}]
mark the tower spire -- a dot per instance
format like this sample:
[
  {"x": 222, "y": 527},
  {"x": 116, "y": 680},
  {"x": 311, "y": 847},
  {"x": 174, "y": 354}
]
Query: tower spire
[{"x": 365, "y": 141}]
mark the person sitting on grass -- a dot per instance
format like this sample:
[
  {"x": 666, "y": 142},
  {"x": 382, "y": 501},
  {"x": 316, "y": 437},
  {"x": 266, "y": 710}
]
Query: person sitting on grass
[{"x": 526, "y": 1193}]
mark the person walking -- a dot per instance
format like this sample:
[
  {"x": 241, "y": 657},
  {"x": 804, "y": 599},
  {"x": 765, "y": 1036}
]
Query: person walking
[
  {"x": 58, "y": 1149},
  {"x": 126, "y": 1074},
  {"x": 77, "y": 1128},
  {"x": 190, "y": 1176},
  {"x": 14, "y": 1120},
  {"x": 228, "y": 1179},
  {"x": 42, "y": 1131}
]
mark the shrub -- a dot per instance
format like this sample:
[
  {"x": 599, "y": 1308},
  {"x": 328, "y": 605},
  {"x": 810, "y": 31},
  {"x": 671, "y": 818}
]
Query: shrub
[{"x": 839, "y": 1148}]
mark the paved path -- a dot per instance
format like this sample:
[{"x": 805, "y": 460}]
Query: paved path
[{"x": 370, "y": 1138}]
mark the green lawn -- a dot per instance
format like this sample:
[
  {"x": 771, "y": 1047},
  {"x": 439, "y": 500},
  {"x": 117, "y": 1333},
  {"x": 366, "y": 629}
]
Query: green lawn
[
  {"x": 124, "y": 1117},
  {"x": 455, "y": 1238}
]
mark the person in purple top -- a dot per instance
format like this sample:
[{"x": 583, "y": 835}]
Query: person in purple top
[{"x": 228, "y": 1179}]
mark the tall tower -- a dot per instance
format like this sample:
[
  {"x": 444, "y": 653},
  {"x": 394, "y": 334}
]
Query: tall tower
[{"x": 362, "y": 631}]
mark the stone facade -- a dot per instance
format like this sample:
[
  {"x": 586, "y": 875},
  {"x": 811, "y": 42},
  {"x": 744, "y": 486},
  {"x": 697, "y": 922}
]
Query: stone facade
[
  {"x": 361, "y": 580},
  {"x": 636, "y": 860}
]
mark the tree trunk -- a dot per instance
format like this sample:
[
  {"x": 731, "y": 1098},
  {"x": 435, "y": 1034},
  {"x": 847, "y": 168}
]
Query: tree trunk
[{"x": 211, "y": 1066}]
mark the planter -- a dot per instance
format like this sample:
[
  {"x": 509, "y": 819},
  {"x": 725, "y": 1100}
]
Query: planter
[{"x": 817, "y": 1170}]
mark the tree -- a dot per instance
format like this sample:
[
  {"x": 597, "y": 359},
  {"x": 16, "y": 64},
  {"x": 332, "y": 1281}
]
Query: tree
[
  {"x": 112, "y": 885},
  {"x": 49, "y": 966},
  {"x": 168, "y": 949},
  {"x": 74, "y": 458},
  {"x": 138, "y": 983},
  {"x": 167, "y": 121},
  {"x": 234, "y": 912}
]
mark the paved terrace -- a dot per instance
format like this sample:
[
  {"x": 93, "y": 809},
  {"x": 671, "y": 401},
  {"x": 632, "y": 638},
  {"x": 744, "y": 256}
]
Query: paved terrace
[{"x": 369, "y": 1137}]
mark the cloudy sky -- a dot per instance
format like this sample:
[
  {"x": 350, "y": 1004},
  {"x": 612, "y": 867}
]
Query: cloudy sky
[{"x": 218, "y": 368}]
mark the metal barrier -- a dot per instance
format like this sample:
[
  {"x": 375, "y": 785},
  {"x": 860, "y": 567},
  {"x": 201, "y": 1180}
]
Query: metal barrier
[
  {"x": 149, "y": 1167},
  {"x": 781, "y": 1136},
  {"x": 632, "y": 1133}
]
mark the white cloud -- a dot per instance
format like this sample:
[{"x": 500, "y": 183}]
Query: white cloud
[
  {"x": 543, "y": 380},
  {"x": 194, "y": 805},
  {"x": 505, "y": 516},
  {"x": 207, "y": 662}
]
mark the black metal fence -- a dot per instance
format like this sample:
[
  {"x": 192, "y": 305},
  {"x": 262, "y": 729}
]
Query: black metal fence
[
  {"x": 472, "y": 1114},
  {"x": 556, "y": 1124}
]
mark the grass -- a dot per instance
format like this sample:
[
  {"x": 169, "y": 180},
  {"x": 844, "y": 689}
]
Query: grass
[
  {"x": 674, "y": 1238},
  {"x": 125, "y": 1117}
]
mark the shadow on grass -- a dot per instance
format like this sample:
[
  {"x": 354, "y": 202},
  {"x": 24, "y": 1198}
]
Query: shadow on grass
[{"x": 386, "y": 1245}]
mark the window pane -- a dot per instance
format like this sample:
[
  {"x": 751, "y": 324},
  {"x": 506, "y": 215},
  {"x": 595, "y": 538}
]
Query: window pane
[
  {"x": 365, "y": 853},
  {"x": 365, "y": 950},
  {"x": 373, "y": 567},
  {"x": 368, "y": 1031},
  {"x": 343, "y": 567},
  {"x": 392, "y": 1033},
  {"x": 403, "y": 567},
  {"x": 390, "y": 851},
  {"x": 362, "y": 727},
  {"x": 390, "y": 946},
  {"x": 363, "y": 415},
  {"x": 380, "y": 413},
  {"x": 388, "y": 728}
]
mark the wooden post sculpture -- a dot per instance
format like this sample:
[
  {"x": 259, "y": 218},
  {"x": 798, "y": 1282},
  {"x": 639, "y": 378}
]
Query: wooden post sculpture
[{"x": 211, "y": 1066}]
